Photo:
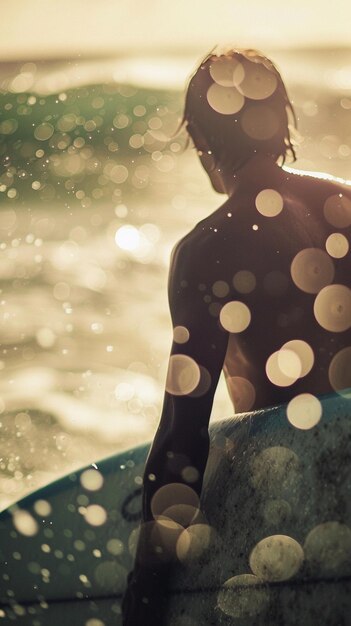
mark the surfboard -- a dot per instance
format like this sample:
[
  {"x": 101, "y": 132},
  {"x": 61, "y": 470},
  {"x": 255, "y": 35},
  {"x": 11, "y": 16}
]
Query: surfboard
[{"x": 273, "y": 546}]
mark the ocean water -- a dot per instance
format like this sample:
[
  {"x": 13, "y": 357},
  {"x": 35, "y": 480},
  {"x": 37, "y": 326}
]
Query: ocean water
[{"x": 95, "y": 189}]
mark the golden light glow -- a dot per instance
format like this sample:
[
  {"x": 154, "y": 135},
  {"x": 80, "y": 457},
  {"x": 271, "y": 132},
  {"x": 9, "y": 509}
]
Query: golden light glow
[{"x": 127, "y": 237}]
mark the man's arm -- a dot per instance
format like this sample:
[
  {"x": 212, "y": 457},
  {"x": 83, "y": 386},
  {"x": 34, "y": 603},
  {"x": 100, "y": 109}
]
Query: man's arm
[{"x": 180, "y": 446}]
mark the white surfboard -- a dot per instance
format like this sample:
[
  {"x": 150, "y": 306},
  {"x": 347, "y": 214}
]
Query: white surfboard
[{"x": 277, "y": 549}]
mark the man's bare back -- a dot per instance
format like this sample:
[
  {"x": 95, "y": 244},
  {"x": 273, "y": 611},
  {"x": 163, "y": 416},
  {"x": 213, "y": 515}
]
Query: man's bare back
[{"x": 240, "y": 255}]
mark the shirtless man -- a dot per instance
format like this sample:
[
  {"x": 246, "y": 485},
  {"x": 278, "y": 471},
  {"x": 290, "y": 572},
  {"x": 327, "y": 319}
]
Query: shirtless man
[{"x": 260, "y": 288}]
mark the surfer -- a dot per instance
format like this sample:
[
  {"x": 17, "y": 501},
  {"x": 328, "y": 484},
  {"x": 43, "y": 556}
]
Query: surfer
[{"x": 258, "y": 289}]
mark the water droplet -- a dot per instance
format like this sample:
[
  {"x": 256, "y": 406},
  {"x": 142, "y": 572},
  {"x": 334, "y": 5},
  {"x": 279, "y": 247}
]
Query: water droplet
[
  {"x": 42, "y": 508},
  {"x": 25, "y": 523},
  {"x": 95, "y": 515},
  {"x": 44, "y": 131},
  {"x": 91, "y": 480}
]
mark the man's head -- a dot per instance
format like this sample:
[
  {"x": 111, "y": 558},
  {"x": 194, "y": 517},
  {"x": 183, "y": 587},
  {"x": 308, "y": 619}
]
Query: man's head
[{"x": 236, "y": 107}]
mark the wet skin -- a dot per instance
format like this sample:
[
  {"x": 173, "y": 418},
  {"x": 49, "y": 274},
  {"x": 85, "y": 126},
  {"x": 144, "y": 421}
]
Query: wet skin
[{"x": 217, "y": 248}]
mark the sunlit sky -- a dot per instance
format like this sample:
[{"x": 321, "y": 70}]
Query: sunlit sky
[{"x": 42, "y": 28}]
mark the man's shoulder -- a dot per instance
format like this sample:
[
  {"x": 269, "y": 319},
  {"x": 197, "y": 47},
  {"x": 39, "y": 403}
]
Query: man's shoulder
[
  {"x": 198, "y": 239},
  {"x": 198, "y": 254},
  {"x": 318, "y": 182}
]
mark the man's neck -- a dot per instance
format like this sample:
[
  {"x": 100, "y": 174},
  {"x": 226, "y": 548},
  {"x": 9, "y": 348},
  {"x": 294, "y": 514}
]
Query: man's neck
[{"x": 258, "y": 168}]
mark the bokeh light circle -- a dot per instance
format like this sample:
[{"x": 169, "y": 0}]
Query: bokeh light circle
[
  {"x": 244, "y": 281},
  {"x": 304, "y": 353},
  {"x": 259, "y": 82},
  {"x": 235, "y": 316},
  {"x": 225, "y": 100},
  {"x": 340, "y": 371},
  {"x": 276, "y": 558},
  {"x": 337, "y": 210},
  {"x": 227, "y": 72},
  {"x": 304, "y": 411},
  {"x": 332, "y": 308},
  {"x": 242, "y": 392},
  {"x": 259, "y": 122},
  {"x": 312, "y": 269},
  {"x": 240, "y": 599},
  {"x": 283, "y": 368},
  {"x": 173, "y": 494},
  {"x": 181, "y": 334},
  {"x": 269, "y": 202},
  {"x": 183, "y": 375},
  {"x": 337, "y": 245}
]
